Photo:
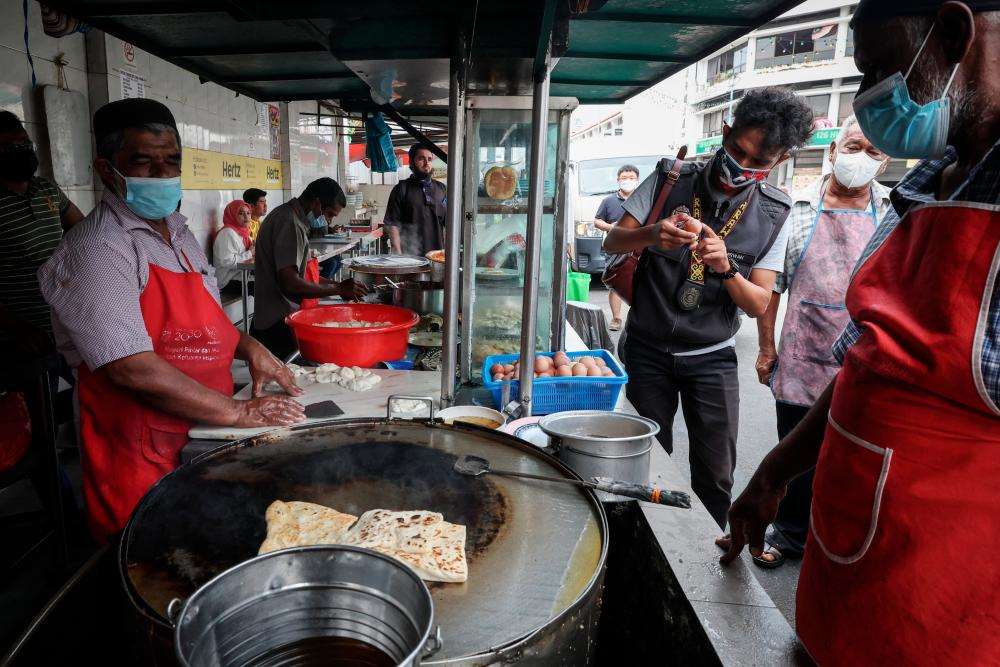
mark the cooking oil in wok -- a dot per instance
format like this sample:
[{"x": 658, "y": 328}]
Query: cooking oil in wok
[{"x": 326, "y": 651}]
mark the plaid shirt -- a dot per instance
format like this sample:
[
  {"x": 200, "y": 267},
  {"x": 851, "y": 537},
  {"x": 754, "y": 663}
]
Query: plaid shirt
[
  {"x": 918, "y": 186},
  {"x": 96, "y": 276},
  {"x": 802, "y": 219}
]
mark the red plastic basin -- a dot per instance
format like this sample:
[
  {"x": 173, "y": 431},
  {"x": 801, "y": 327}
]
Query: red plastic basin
[{"x": 362, "y": 346}]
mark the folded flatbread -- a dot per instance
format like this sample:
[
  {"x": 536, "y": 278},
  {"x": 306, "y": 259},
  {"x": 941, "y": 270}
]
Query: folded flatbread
[
  {"x": 433, "y": 547},
  {"x": 296, "y": 524}
]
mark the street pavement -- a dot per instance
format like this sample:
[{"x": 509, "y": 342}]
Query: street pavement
[{"x": 758, "y": 434}]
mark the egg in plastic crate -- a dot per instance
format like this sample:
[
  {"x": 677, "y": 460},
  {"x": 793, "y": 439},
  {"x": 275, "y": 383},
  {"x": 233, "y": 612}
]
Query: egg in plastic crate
[{"x": 557, "y": 394}]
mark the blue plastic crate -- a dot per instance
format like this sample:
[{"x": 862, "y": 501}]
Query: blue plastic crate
[{"x": 557, "y": 394}]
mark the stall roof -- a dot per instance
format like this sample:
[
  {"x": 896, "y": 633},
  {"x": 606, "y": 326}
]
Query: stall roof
[{"x": 605, "y": 51}]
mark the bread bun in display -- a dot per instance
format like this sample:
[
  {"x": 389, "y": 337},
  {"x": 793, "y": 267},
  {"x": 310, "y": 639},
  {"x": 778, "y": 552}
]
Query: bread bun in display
[{"x": 500, "y": 182}]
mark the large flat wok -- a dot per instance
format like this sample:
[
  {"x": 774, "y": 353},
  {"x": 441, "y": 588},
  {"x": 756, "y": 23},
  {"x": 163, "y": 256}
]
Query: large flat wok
[{"x": 536, "y": 550}]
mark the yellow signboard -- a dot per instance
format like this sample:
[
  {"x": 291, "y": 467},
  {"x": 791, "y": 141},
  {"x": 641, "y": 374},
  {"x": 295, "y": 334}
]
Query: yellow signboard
[{"x": 209, "y": 170}]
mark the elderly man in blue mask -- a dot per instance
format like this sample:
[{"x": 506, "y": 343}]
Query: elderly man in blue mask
[{"x": 906, "y": 438}]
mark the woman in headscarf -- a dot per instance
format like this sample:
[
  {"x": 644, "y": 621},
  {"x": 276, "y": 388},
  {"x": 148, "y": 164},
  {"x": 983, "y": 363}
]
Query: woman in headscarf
[{"x": 232, "y": 243}]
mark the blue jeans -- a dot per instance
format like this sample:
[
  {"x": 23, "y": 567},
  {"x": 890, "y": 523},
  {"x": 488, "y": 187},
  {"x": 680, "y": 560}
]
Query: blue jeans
[{"x": 328, "y": 268}]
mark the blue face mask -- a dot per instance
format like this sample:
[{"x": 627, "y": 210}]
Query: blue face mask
[
  {"x": 898, "y": 126},
  {"x": 152, "y": 198},
  {"x": 316, "y": 222}
]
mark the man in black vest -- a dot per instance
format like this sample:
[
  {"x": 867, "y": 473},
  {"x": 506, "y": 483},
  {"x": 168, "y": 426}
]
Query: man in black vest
[
  {"x": 417, "y": 208},
  {"x": 715, "y": 249}
]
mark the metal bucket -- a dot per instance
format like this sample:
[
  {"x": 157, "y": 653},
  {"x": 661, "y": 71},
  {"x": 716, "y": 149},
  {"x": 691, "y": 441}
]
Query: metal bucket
[
  {"x": 595, "y": 443},
  {"x": 307, "y": 606}
]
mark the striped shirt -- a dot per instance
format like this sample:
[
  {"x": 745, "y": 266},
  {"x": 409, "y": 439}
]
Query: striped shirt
[
  {"x": 802, "y": 220},
  {"x": 97, "y": 274},
  {"x": 30, "y": 230},
  {"x": 917, "y": 187}
]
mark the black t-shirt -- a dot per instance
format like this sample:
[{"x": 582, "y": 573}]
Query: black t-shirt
[
  {"x": 418, "y": 208},
  {"x": 611, "y": 209}
]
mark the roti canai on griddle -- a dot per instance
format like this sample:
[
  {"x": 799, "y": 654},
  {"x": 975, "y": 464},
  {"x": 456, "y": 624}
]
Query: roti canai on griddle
[
  {"x": 295, "y": 524},
  {"x": 434, "y": 548}
]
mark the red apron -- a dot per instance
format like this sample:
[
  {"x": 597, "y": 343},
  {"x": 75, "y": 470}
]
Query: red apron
[
  {"x": 311, "y": 275},
  {"x": 126, "y": 445},
  {"x": 899, "y": 567},
  {"x": 816, "y": 312}
]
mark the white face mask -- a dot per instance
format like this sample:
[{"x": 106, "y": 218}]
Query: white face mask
[
  {"x": 628, "y": 186},
  {"x": 852, "y": 170}
]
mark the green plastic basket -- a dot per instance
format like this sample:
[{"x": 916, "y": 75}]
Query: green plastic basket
[{"x": 578, "y": 287}]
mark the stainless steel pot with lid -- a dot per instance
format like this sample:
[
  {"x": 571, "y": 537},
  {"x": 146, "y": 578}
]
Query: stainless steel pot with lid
[
  {"x": 535, "y": 550},
  {"x": 597, "y": 443},
  {"x": 315, "y": 605},
  {"x": 372, "y": 270}
]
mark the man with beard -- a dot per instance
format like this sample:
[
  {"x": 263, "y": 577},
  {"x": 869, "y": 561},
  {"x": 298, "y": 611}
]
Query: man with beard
[
  {"x": 906, "y": 438},
  {"x": 34, "y": 213},
  {"x": 417, "y": 208},
  {"x": 714, "y": 249}
]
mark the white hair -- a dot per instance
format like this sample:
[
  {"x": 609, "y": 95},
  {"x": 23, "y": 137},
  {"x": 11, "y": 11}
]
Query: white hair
[{"x": 849, "y": 122}]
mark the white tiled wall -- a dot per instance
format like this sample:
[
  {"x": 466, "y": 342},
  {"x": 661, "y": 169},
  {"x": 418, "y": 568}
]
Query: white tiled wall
[
  {"x": 208, "y": 116},
  {"x": 16, "y": 93}
]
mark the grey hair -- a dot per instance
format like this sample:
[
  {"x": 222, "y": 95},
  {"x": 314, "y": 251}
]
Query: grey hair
[
  {"x": 109, "y": 146},
  {"x": 849, "y": 122}
]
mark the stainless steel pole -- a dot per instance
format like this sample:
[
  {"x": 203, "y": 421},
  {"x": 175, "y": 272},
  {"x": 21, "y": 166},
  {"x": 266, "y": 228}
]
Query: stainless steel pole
[
  {"x": 452, "y": 252},
  {"x": 536, "y": 187}
]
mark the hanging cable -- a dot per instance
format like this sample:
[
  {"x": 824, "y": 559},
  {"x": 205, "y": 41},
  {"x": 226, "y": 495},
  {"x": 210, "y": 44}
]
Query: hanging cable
[{"x": 27, "y": 49}]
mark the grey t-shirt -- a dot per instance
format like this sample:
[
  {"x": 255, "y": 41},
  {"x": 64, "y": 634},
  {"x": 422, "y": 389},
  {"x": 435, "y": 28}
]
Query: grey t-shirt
[{"x": 283, "y": 241}]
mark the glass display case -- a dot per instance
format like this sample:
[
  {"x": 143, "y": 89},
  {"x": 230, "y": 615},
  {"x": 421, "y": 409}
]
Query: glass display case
[{"x": 497, "y": 158}]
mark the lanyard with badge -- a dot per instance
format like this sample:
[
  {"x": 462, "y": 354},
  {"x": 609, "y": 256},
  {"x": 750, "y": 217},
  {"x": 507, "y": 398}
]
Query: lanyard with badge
[{"x": 690, "y": 294}]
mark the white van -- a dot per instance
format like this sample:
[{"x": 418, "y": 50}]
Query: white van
[{"x": 591, "y": 180}]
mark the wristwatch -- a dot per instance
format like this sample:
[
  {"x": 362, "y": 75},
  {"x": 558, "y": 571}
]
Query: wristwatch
[{"x": 734, "y": 268}]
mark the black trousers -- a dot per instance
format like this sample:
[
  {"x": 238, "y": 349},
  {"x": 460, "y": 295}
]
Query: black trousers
[
  {"x": 708, "y": 390},
  {"x": 791, "y": 526},
  {"x": 279, "y": 339}
]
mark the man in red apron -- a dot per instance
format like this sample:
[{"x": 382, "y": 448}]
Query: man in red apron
[
  {"x": 830, "y": 226},
  {"x": 906, "y": 440},
  {"x": 136, "y": 310}
]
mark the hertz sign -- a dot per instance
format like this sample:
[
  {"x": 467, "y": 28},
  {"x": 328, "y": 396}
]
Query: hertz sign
[{"x": 209, "y": 170}]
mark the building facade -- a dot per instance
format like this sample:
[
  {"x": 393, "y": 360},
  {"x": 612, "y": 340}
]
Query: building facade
[{"x": 809, "y": 49}]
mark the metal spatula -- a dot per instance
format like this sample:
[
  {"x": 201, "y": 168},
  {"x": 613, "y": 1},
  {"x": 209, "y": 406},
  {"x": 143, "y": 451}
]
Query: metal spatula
[{"x": 474, "y": 466}]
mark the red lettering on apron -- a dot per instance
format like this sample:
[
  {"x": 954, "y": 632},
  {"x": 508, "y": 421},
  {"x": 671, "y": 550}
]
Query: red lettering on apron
[{"x": 126, "y": 445}]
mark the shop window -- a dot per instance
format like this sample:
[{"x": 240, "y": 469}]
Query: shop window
[
  {"x": 820, "y": 105},
  {"x": 799, "y": 46},
  {"x": 725, "y": 65},
  {"x": 846, "y": 107},
  {"x": 712, "y": 125}
]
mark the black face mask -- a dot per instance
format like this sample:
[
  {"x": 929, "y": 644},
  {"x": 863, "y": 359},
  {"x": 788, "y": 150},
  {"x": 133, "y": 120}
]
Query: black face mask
[{"x": 18, "y": 162}]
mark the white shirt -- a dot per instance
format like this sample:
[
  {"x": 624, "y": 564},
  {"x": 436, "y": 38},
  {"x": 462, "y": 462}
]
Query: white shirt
[{"x": 228, "y": 251}]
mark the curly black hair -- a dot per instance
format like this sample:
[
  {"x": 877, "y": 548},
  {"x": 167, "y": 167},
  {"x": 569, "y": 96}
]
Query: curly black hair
[{"x": 784, "y": 116}]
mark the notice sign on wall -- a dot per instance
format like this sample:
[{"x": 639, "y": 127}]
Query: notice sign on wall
[
  {"x": 209, "y": 170},
  {"x": 133, "y": 85}
]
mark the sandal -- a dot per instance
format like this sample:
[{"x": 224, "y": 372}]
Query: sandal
[
  {"x": 616, "y": 324},
  {"x": 777, "y": 559},
  {"x": 769, "y": 559}
]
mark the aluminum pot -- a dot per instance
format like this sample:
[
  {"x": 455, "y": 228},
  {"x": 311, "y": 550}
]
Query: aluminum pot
[
  {"x": 436, "y": 258},
  {"x": 421, "y": 297},
  {"x": 305, "y": 606},
  {"x": 595, "y": 443}
]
